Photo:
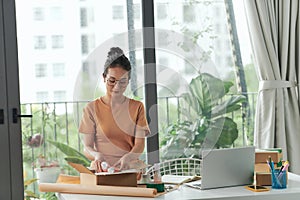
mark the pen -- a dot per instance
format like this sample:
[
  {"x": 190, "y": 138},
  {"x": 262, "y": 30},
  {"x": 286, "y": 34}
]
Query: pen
[
  {"x": 276, "y": 177},
  {"x": 286, "y": 165},
  {"x": 270, "y": 159},
  {"x": 270, "y": 163},
  {"x": 283, "y": 169}
]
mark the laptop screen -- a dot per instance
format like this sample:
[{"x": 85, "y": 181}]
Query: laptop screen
[{"x": 227, "y": 167}]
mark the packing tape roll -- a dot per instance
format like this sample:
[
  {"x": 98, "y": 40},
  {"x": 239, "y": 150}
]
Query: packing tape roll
[{"x": 160, "y": 187}]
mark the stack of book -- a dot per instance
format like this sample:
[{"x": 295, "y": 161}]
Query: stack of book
[{"x": 262, "y": 169}]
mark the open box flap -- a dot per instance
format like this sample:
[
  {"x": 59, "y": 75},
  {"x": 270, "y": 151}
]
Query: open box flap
[{"x": 80, "y": 168}]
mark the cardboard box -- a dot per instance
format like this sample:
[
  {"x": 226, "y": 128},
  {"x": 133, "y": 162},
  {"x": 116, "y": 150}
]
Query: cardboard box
[
  {"x": 124, "y": 179},
  {"x": 64, "y": 178},
  {"x": 88, "y": 177},
  {"x": 263, "y": 156},
  {"x": 263, "y": 178},
  {"x": 264, "y": 167},
  {"x": 261, "y": 167}
]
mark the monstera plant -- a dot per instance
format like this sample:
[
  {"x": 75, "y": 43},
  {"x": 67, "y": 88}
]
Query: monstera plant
[{"x": 207, "y": 123}]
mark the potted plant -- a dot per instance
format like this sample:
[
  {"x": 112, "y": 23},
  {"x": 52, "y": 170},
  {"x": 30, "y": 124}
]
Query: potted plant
[
  {"x": 46, "y": 171},
  {"x": 206, "y": 124}
]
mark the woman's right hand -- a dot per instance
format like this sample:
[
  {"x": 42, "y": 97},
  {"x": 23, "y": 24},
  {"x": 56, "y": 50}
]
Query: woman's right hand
[{"x": 96, "y": 164}]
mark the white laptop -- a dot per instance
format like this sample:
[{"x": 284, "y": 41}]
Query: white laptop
[{"x": 226, "y": 167}]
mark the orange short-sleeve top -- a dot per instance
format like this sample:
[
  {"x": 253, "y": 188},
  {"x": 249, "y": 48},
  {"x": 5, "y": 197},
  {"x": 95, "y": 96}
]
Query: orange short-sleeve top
[{"x": 114, "y": 129}]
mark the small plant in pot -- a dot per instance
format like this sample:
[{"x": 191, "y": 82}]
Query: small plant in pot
[{"x": 46, "y": 171}]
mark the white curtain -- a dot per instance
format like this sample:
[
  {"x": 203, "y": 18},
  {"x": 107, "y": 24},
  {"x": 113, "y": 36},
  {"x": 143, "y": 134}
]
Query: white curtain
[{"x": 274, "y": 33}]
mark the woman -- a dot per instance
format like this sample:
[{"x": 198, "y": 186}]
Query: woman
[{"x": 113, "y": 126}]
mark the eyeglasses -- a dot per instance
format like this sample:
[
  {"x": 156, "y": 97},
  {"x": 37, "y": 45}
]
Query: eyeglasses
[{"x": 112, "y": 81}]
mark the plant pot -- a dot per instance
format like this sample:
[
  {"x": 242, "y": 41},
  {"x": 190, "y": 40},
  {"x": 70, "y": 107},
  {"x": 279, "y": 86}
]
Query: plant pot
[{"x": 47, "y": 174}]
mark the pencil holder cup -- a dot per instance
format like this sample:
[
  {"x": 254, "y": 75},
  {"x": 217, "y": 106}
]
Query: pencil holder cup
[{"x": 279, "y": 179}]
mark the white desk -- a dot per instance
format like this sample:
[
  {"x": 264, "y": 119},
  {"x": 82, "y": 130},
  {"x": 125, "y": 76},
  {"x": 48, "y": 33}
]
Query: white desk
[{"x": 183, "y": 193}]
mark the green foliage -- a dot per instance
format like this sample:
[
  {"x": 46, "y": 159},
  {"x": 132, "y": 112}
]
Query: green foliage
[
  {"x": 49, "y": 196},
  {"x": 72, "y": 154},
  {"x": 207, "y": 122},
  {"x": 78, "y": 160},
  {"x": 28, "y": 193},
  {"x": 252, "y": 88},
  {"x": 52, "y": 124}
]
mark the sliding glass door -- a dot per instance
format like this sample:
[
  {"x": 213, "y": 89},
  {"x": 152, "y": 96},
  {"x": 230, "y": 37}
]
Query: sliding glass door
[
  {"x": 62, "y": 48},
  {"x": 11, "y": 181}
]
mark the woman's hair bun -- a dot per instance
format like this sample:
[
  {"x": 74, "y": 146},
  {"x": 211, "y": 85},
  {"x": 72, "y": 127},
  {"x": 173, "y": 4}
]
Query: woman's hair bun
[
  {"x": 115, "y": 51},
  {"x": 116, "y": 57},
  {"x": 113, "y": 55}
]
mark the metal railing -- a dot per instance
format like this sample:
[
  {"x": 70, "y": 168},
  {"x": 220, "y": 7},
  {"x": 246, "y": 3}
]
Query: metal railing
[{"x": 59, "y": 121}]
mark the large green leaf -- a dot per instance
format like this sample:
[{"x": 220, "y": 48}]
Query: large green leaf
[
  {"x": 229, "y": 105},
  {"x": 30, "y": 181},
  {"x": 205, "y": 93},
  {"x": 227, "y": 86},
  {"x": 199, "y": 97},
  {"x": 68, "y": 151},
  {"x": 192, "y": 103},
  {"x": 221, "y": 133},
  {"x": 215, "y": 86},
  {"x": 229, "y": 133},
  {"x": 77, "y": 160}
]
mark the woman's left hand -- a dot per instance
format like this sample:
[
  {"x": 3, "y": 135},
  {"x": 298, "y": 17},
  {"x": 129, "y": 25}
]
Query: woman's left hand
[{"x": 123, "y": 163}]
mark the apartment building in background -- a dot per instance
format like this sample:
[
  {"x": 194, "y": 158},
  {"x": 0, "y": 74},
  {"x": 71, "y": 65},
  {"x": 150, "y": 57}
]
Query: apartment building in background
[{"x": 55, "y": 38}]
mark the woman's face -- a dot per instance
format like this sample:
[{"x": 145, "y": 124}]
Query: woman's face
[{"x": 116, "y": 81}]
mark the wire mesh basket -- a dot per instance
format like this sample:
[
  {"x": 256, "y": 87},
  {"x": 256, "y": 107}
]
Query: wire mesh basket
[{"x": 179, "y": 166}]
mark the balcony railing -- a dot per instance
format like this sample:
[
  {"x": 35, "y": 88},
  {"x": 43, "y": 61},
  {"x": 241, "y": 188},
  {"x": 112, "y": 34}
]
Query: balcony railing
[{"x": 59, "y": 121}]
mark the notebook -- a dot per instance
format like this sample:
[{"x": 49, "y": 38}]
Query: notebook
[
  {"x": 177, "y": 179},
  {"x": 226, "y": 167}
]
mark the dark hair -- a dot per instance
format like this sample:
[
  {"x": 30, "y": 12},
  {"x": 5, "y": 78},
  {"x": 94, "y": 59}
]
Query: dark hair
[{"x": 116, "y": 58}]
